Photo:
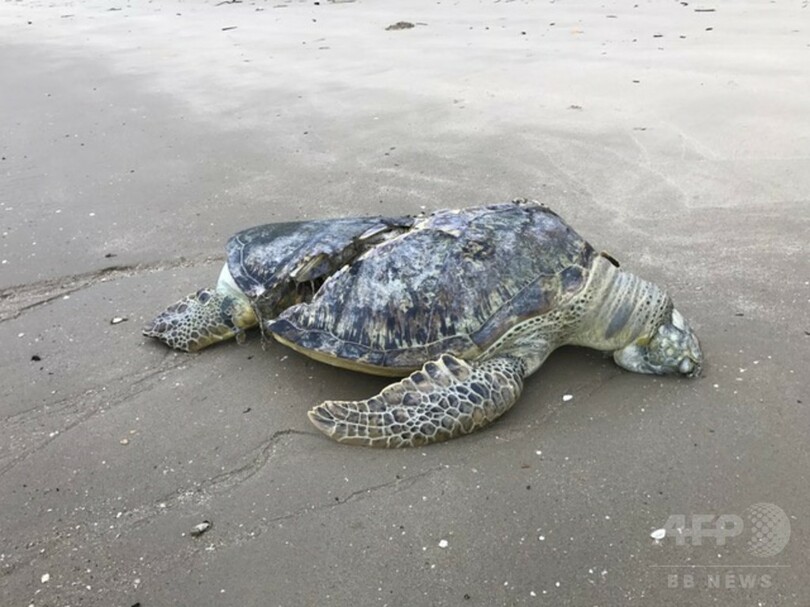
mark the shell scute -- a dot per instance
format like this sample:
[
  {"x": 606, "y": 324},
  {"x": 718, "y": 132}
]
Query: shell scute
[
  {"x": 455, "y": 282},
  {"x": 272, "y": 264}
]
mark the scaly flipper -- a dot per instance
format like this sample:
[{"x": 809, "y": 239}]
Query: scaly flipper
[
  {"x": 202, "y": 319},
  {"x": 448, "y": 397}
]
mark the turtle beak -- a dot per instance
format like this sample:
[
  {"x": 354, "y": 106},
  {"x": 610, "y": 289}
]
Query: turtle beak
[
  {"x": 686, "y": 367},
  {"x": 691, "y": 365},
  {"x": 673, "y": 349}
]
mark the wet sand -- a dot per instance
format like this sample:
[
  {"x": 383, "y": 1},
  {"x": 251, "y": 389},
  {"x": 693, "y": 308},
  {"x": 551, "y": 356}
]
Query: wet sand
[{"x": 137, "y": 137}]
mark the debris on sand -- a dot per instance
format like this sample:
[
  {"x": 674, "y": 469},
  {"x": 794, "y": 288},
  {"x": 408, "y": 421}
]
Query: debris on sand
[{"x": 198, "y": 530}]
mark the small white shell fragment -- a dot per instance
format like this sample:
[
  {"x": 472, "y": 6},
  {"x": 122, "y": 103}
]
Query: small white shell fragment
[
  {"x": 124, "y": 441},
  {"x": 118, "y": 319},
  {"x": 658, "y": 534},
  {"x": 198, "y": 530},
  {"x": 567, "y": 397},
  {"x": 443, "y": 543},
  {"x": 45, "y": 577}
]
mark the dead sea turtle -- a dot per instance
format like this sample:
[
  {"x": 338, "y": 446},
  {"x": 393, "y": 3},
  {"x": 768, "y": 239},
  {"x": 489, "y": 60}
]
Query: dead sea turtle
[{"x": 464, "y": 303}]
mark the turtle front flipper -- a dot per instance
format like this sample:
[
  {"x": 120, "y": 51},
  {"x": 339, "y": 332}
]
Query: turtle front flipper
[
  {"x": 202, "y": 319},
  {"x": 448, "y": 397}
]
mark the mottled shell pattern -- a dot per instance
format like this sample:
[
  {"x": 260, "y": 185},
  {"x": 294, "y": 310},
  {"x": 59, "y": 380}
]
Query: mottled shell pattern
[
  {"x": 408, "y": 290},
  {"x": 279, "y": 264}
]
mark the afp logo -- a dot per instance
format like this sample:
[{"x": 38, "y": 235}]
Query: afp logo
[{"x": 764, "y": 527}]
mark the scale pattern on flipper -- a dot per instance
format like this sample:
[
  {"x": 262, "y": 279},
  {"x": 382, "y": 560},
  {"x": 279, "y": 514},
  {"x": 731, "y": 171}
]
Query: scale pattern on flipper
[
  {"x": 448, "y": 397},
  {"x": 196, "y": 321}
]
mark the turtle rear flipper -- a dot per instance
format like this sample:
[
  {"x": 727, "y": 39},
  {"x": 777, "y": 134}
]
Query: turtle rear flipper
[
  {"x": 201, "y": 319},
  {"x": 448, "y": 397}
]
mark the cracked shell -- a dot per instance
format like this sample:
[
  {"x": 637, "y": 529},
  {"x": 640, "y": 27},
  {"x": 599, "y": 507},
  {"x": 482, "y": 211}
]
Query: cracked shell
[{"x": 454, "y": 282}]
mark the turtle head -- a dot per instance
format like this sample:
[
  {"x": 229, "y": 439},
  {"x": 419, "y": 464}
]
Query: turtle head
[
  {"x": 200, "y": 320},
  {"x": 672, "y": 348}
]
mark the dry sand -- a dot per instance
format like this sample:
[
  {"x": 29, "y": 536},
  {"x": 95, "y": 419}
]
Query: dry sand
[{"x": 136, "y": 137}]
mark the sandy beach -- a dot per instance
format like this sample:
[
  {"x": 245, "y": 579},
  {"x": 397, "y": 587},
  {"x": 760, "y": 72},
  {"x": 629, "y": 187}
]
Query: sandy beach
[{"x": 137, "y": 137}]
